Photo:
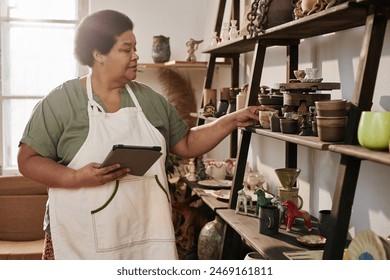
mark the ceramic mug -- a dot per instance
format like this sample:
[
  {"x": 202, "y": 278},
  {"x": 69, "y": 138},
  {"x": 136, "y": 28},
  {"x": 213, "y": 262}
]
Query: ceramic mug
[
  {"x": 217, "y": 170},
  {"x": 269, "y": 220},
  {"x": 374, "y": 130},
  {"x": 324, "y": 222},
  {"x": 264, "y": 118},
  {"x": 291, "y": 194}
]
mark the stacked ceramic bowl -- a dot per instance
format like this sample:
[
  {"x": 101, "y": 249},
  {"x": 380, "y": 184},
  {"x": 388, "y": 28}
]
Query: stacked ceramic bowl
[{"x": 331, "y": 119}]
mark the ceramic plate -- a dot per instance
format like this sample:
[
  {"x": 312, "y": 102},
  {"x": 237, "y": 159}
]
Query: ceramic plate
[
  {"x": 366, "y": 246},
  {"x": 312, "y": 240},
  {"x": 213, "y": 183},
  {"x": 223, "y": 195},
  {"x": 305, "y": 80}
]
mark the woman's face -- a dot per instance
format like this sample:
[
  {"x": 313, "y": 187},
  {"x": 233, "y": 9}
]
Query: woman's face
[{"x": 121, "y": 62}]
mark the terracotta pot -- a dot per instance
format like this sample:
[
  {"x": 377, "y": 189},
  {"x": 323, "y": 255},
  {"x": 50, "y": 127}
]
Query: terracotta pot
[
  {"x": 331, "y": 108},
  {"x": 161, "y": 50},
  {"x": 331, "y": 129},
  {"x": 288, "y": 126}
]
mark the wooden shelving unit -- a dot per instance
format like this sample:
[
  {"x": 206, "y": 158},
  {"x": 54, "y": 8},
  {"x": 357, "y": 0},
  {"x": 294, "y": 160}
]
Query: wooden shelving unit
[{"x": 374, "y": 15}]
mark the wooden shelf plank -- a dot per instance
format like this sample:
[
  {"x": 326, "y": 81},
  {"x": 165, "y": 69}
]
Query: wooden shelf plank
[
  {"x": 272, "y": 247},
  {"x": 337, "y": 18},
  {"x": 308, "y": 86},
  {"x": 382, "y": 157},
  {"x": 307, "y": 141},
  {"x": 210, "y": 200}
]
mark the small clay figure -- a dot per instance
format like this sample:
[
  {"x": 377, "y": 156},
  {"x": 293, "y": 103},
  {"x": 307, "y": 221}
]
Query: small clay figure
[
  {"x": 242, "y": 201},
  {"x": 192, "y": 46}
]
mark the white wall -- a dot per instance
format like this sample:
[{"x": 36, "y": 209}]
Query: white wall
[{"x": 337, "y": 57}]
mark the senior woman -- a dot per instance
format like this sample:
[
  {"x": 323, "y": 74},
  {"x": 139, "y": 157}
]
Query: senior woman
[{"x": 71, "y": 131}]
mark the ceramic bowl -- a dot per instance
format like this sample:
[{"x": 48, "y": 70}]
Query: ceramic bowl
[
  {"x": 299, "y": 74},
  {"x": 331, "y": 108},
  {"x": 288, "y": 126},
  {"x": 331, "y": 129},
  {"x": 374, "y": 130}
]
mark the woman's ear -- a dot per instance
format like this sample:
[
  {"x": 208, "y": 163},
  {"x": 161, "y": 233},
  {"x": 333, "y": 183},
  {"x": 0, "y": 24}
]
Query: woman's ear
[{"x": 98, "y": 57}]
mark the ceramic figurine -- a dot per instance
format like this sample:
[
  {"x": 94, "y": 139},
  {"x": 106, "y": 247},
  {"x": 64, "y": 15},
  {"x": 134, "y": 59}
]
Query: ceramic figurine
[
  {"x": 225, "y": 32},
  {"x": 293, "y": 212},
  {"x": 192, "y": 46},
  {"x": 242, "y": 201},
  {"x": 214, "y": 39},
  {"x": 233, "y": 33},
  {"x": 261, "y": 199}
]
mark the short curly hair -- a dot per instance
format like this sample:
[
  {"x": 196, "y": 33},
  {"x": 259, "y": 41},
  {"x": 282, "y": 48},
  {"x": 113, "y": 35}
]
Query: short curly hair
[{"x": 99, "y": 31}]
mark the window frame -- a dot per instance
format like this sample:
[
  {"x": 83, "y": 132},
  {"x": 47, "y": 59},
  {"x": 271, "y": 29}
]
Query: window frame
[{"x": 83, "y": 10}]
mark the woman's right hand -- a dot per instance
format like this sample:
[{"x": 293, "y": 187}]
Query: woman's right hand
[
  {"x": 52, "y": 174},
  {"x": 92, "y": 175}
]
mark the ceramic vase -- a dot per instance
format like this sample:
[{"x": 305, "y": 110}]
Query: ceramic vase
[
  {"x": 161, "y": 50},
  {"x": 233, "y": 32},
  {"x": 210, "y": 240}
]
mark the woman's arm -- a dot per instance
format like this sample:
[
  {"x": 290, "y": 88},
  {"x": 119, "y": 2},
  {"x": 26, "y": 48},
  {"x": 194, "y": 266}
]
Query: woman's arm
[
  {"x": 52, "y": 174},
  {"x": 201, "y": 139}
]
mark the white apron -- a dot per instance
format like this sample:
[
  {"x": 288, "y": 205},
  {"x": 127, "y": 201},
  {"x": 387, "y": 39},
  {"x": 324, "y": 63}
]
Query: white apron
[{"x": 129, "y": 220}]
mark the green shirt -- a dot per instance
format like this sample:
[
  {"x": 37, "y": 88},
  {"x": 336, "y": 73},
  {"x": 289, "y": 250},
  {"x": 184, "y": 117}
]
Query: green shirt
[{"x": 59, "y": 123}]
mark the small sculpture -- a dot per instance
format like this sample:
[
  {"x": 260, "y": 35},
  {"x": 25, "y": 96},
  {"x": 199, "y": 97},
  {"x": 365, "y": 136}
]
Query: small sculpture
[
  {"x": 282, "y": 209},
  {"x": 242, "y": 200},
  {"x": 293, "y": 212},
  {"x": 261, "y": 199},
  {"x": 192, "y": 46},
  {"x": 308, "y": 7}
]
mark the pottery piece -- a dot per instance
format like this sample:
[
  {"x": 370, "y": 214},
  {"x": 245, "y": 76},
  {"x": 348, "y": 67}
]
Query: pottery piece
[
  {"x": 291, "y": 194},
  {"x": 268, "y": 14},
  {"x": 217, "y": 170},
  {"x": 269, "y": 220},
  {"x": 274, "y": 123},
  {"x": 161, "y": 50},
  {"x": 331, "y": 108},
  {"x": 210, "y": 240},
  {"x": 288, "y": 126},
  {"x": 311, "y": 73},
  {"x": 253, "y": 256},
  {"x": 374, "y": 130},
  {"x": 299, "y": 74},
  {"x": 209, "y": 94},
  {"x": 331, "y": 129},
  {"x": 264, "y": 118},
  {"x": 287, "y": 176}
]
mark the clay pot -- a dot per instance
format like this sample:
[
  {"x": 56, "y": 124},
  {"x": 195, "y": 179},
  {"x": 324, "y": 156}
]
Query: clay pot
[
  {"x": 288, "y": 126},
  {"x": 161, "y": 51},
  {"x": 331, "y": 108},
  {"x": 331, "y": 129}
]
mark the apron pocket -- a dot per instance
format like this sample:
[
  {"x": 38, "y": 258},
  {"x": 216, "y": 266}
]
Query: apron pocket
[{"x": 137, "y": 212}]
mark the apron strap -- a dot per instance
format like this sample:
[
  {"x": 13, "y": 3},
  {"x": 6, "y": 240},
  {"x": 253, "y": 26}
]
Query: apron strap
[
  {"x": 92, "y": 103},
  {"x": 132, "y": 95}
]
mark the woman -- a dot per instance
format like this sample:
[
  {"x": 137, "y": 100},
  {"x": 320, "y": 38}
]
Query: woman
[{"x": 71, "y": 131}]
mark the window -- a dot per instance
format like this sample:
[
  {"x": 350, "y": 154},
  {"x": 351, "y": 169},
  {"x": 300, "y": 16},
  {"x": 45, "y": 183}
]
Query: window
[{"x": 36, "y": 55}]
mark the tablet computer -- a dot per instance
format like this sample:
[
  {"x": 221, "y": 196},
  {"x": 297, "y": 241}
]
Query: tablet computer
[{"x": 138, "y": 158}]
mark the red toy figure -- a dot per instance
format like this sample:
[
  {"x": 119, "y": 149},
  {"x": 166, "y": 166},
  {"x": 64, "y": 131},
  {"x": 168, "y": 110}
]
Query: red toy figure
[{"x": 293, "y": 212}]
